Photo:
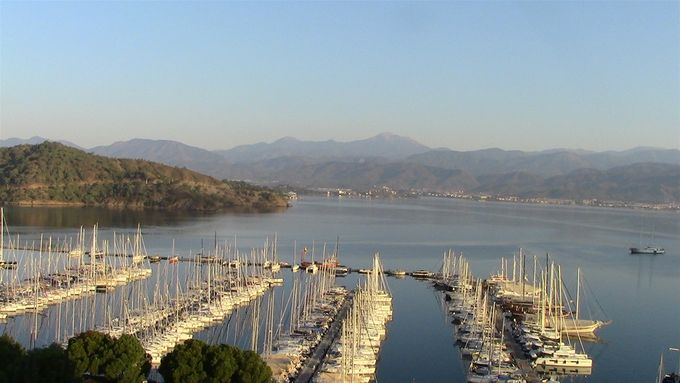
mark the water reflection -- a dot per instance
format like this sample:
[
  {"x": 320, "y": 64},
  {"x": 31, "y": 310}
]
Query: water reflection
[{"x": 73, "y": 217}]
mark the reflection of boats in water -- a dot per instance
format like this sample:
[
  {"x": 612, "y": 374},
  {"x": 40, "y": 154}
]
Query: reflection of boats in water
[
  {"x": 647, "y": 250},
  {"x": 586, "y": 337},
  {"x": 557, "y": 370}
]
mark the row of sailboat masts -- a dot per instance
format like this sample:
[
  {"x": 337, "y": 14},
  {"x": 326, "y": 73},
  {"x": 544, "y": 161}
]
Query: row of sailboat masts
[
  {"x": 43, "y": 275},
  {"x": 210, "y": 294},
  {"x": 364, "y": 327},
  {"x": 303, "y": 302},
  {"x": 221, "y": 272},
  {"x": 454, "y": 269}
]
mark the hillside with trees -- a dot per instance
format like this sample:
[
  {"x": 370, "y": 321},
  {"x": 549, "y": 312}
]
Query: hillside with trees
[{"x": 53, "y": 174}]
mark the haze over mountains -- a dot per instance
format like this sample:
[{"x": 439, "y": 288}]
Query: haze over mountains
[
  {"x": 385, "y": 145},
  {"x": 640, "y": 174}
]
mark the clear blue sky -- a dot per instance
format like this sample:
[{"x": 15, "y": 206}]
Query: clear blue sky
[{"x": 464, "y": 75}]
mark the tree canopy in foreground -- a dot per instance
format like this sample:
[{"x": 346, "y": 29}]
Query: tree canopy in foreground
[{"x": 195, "y": 361}]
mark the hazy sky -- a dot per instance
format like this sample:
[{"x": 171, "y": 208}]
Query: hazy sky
[{"x": 465, "y": 75}]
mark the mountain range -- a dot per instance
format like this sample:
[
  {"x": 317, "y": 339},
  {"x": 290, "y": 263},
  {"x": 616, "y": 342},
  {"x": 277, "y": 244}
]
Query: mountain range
[
  {"x": 384, "y": 145},
  {"x": 639, "y": 174}
]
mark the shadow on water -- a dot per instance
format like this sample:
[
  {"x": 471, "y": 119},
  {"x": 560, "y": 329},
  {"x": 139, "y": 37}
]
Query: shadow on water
[{"x": 74, "y": 217}]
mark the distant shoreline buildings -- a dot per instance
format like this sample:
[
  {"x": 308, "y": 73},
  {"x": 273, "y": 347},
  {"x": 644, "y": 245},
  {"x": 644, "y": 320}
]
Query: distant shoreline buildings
[{"x": 386, "y": 192}]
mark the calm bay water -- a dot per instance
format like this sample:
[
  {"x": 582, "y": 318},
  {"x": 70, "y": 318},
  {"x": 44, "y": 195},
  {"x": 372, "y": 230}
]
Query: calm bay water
[{"x": 641, "y": 294}]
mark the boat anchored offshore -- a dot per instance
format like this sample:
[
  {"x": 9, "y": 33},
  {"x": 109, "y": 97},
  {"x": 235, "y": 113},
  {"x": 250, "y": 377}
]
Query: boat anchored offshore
[{"x": 647, "y": 250}]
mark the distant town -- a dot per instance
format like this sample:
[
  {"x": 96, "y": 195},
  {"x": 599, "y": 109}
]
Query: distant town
[{"x": 387, "y": 192}]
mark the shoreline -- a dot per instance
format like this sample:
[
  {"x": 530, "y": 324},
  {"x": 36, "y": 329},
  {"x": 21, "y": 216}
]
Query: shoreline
[{"x": 140, "y": 207}]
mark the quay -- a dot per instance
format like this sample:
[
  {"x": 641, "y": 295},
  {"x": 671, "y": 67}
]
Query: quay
[
  {"x": 315, "y": 360},
  {"x": 530, "y": 375}
]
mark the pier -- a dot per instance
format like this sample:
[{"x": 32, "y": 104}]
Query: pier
[
  {"x": 312, "y": 364},
  {"x": 518, "y": 357}
]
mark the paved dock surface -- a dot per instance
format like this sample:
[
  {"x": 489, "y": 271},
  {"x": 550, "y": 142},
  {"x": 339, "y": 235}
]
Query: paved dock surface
[
  {"x": 315, "y": 360},
  {"x": 520, "y": 359}
]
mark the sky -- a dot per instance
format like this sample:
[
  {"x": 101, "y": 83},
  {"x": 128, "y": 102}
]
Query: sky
[{"x": 463, "y": 75}]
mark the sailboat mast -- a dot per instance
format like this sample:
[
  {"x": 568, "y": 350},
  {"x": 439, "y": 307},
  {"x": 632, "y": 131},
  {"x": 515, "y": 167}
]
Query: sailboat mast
[
  {"x": 2, "y": 233},
  {"x": 578, "y": 290}
]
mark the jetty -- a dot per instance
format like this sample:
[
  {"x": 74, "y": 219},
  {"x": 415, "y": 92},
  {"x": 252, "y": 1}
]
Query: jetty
[
  {"x": 313, "y": 362},
  {"x": 511, "y": 330}
]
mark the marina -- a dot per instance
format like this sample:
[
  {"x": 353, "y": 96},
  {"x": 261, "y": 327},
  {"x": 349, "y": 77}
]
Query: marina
[{"x": 416, "y": 303}]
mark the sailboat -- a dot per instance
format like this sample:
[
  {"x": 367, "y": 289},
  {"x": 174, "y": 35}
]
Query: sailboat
[
  {"x": 663, "y": 377},
  {"x": 647, "y": 249},
  {"x": 578, "y": 325},
  {"x": 138, "y": 247},
  {"x": 3, "y": 263},
  {"x": 562, "y": 355}
]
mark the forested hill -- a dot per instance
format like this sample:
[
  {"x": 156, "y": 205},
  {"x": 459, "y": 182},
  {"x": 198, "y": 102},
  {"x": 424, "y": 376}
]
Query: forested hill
[{"x": 52, "y": 174}]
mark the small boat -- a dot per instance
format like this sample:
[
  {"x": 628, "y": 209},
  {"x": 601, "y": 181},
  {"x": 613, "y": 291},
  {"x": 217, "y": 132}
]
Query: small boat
[
  {"x": 341, "y": 271},
  {"x": 364, "y": 271},
  {"x": 664, "y": 377},
  {"x": 396, "y": 273},
  {"x": 295, "y": 267},
  {"x": 8, "y": 264},
  {"x": 154, "y": 258},
  {"x": 75, "y": 253},
  {"x": 275, "y": 281},
  {"x": 173, "y": 259},
  {"x": 96, "y": 254},
  {"x": 208, "y": 259},
  {"x": 647, "y": 250},
  {"x": 422, "y": 274},
  {"x": 104, "y": 288}
]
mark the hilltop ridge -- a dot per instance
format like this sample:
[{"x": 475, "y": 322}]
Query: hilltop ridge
[{"x": 52, "y": 174}]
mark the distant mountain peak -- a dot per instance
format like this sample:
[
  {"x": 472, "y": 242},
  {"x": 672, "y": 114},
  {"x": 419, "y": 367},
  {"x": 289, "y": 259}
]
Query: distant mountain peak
[
  {"x": 35, "y": 140},
  {"x": 286, "y": 140},
  {"x": 388, "y": 135}
]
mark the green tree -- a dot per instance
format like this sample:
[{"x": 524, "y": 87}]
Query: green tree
[
  {"x": 50, "y": 364},
  {"x": 220, "y": 363},
  {"x": 88, "y": 352},
  {"x": 185, "y": 363},
  {"x": 121, "y": 360},
  {"x": 129, "y": 363},
  {"x": 11, "y": 357},
  {"x": 195, "y": 361},
  {"x": 252, "y": 369}
]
